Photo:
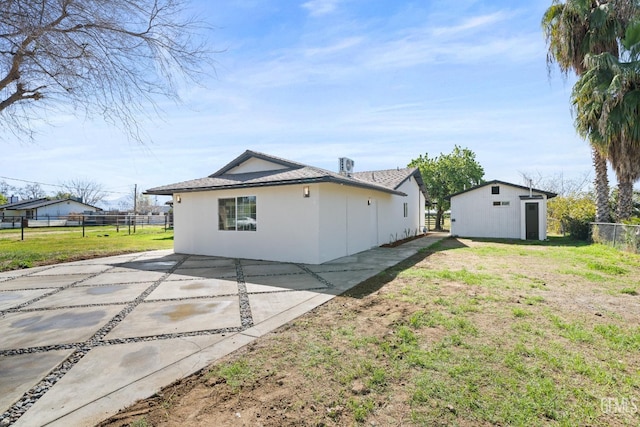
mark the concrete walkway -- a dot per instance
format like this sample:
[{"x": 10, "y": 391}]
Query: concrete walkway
[{"x": 81, "y": 340}]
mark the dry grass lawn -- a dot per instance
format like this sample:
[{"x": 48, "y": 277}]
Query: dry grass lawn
[{"x": 468, "y": 333}]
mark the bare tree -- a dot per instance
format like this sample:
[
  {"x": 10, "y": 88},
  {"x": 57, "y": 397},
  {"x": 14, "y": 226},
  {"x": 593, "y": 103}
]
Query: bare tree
[
  {"x": 109, "y": 58},
  {"x": 31, "y": 191},
  {"x": 89, "y": 191},
  {"x": 557, "y": 183}
]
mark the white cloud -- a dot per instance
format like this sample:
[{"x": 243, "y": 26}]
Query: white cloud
[
  {"x": 472, "y": 23},
  {"x": 320, "y": 7}
]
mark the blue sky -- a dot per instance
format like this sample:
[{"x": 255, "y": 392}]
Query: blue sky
[{"x": 313, "y": 80}]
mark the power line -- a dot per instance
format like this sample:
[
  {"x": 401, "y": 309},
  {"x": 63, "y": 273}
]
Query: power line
[{"x": 56, "y": 185}]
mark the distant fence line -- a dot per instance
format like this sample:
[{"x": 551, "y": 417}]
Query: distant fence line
[
  {"x": 623, "y": 236},
  {"x": 78, "y": 219},
  {"x": 128, "y": 222}
]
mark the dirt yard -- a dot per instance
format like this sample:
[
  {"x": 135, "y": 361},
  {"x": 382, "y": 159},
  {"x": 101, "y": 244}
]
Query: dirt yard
[{"x": 469, "y": 333}]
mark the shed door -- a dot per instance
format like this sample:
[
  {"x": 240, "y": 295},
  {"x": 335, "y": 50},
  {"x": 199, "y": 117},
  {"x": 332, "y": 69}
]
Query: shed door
[{"x": 532, "y": 221}]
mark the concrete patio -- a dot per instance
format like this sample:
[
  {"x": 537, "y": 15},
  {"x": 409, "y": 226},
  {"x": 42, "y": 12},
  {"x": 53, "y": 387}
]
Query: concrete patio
[{"x": 82, "y": 340}]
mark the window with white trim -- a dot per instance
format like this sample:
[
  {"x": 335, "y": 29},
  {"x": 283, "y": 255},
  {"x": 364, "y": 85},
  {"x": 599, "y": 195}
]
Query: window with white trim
[{"x": 237, "y": 213}]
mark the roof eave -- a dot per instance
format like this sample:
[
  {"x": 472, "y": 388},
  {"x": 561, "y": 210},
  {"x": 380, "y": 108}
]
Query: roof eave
[{"x": 171, "y": 191}]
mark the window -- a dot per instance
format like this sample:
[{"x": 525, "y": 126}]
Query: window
[
  {"x": 237, "y": 213},
  {"x": 495, "y": 189},
  {"x": 498, "y": 203},
  {"x": 406, "y": 209}
]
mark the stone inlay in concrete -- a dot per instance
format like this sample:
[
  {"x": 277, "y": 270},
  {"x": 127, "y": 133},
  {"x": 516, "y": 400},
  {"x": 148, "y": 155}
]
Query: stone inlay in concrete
[
  {"x": 35, "y": 282},
  {"x": 20, "y": 372},
  {"x": 193, "y": 288},
  {"x": 9, "y": 299},
  {"x": 203, "y": 273},
  {"x": 170, "y": 317},
  {"x": 282, "y": 283},
  {"x": 72, "y": 269},
  {"x": 270, "y": 269},
  {"x": 40, "y": 328},
  {"x": 88, "y": 295},
  {"x": 84, "y": 339},
  {"x": 106, "y": 369},
  {"x": 131, "y": 276}
]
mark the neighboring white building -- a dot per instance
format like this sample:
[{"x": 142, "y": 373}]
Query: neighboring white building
[
  {"x": 45, "y": 208},
  {"x": 263, "y": 207},
  {"x": 498, "y": 209}
]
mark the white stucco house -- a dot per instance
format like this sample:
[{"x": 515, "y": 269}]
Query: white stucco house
[
  {"x": 45, "y": 208},
  {"x": 264, "y": 207},
  {"x": 498, "y": 209}
]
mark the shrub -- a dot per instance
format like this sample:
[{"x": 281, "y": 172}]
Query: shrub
[{"x": 571, "y": 215}]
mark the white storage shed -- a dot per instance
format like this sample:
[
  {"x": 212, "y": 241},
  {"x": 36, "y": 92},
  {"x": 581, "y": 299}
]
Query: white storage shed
[{"x": 498, "y": 209}]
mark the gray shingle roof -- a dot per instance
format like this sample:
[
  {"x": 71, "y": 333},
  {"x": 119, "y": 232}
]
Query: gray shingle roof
[
  {"x": 549, "y": 194},
  {"x": 293, "y": 173},
  {"x": 36, "y": 203}
]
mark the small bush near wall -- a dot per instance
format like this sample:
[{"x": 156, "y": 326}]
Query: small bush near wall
[
  {"x": 578, "y": 228},
  {"x": 571, "y": 215}
]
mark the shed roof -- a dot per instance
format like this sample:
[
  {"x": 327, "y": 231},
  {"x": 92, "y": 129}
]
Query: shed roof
[
  {"x": 387, "y": 181},
  {"x": 38, "y": 203},
  {"x": 549, "y": 194}
]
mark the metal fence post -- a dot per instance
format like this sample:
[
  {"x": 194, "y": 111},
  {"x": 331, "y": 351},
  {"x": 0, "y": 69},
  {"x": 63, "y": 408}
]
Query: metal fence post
[
  {"x": 82, "y": 225},
  {"x": 21, "y": 228}
]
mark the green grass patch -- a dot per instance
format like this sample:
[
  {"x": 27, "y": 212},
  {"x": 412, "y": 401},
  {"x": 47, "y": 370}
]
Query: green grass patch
[
  {"x": 462, "y": 276},
  {"x": 55, "y": 246},
  {"x": 236, "y": 374}
]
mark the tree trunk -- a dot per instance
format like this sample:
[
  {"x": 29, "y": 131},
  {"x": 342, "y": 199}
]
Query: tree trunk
[
  {"x": 439, "y": 214},
  {"x": 601, "y": 183},
  {"x": 625, "y": 199}
]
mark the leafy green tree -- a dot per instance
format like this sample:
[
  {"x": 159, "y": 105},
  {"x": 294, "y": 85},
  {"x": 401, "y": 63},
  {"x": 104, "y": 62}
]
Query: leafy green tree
[
  {"x": 446, "y": 174},
  {"x": 574, "y": 29},
  {"x": 571, "y": 215}
]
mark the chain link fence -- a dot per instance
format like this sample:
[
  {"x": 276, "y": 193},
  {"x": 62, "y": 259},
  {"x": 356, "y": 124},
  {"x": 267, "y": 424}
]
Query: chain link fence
[{"x": 622, "y": 236}]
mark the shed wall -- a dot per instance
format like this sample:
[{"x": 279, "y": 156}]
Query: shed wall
[{"x": 473, "y": 214}]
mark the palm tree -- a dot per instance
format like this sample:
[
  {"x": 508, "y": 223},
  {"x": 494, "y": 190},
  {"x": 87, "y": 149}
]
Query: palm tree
[
  {"x": 606, "y": 100},
  {"x": 573, "y": 30}
]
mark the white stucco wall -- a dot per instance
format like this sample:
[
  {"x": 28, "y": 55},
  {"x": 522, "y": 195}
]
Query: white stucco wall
[
  {"x": 414, "y": 222},
  {"x": 335, "y": 221},
  {"x": 344, "y": 218},
  {"x": 474, "y": 215},
  {"x": 287, "y": 225}
]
